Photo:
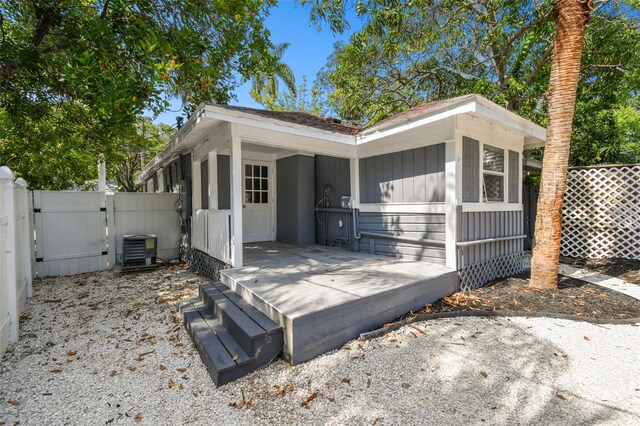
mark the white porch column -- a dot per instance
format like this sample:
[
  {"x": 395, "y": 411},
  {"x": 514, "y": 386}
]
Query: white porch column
[
  {"x": 213, "y": 179},
  {"x": 354, "y": 171},
  {"x": 196, "y": 202},
  {"x": 451, "y": 200},
  {"x": 236, "y": 197},
  {"x": 160, "y": 175}
]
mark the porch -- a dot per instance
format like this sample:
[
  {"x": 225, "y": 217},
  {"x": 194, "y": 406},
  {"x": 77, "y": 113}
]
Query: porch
[{"x": 323, "y": 297}]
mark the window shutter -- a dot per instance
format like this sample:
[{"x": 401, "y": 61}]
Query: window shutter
[
  {"x": 514, "y": 176},
  {"x": 204, "y": 184},
  {"x": 470, "y": 170}
]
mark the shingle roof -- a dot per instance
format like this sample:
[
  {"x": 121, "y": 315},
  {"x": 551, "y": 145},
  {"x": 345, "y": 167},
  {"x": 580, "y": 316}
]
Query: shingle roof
[
  {"x": 302, "y": 118},
  {"x": 408, "y": 115}
]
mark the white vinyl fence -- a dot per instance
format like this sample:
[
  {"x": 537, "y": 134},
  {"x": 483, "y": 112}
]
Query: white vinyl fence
[
  {"x": 601, "y": 214},
  {"x": 211, "y": 233},
  {"x": 71, "y": 232},
  {"x": 16, "y": 254},
  {"x": 144, "y": 213}
]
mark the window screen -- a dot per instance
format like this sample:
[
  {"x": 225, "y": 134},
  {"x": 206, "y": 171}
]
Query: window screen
[
  {"x": 493, "y": 173},
  {"x": 514, "y": 176},
  {"x": 470, "y": 170},
  {"x": 204, "y": 184}
]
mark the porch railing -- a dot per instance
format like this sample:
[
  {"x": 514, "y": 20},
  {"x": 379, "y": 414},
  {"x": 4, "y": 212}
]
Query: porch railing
[{"x": 211, "y": 233}]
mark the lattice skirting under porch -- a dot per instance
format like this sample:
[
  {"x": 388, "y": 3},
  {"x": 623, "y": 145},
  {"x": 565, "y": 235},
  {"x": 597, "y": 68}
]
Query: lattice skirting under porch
[
  {"x": 479, "y": 274},
  {"x": 206, "y": 265},
  {"x": 601, "y": 214}
]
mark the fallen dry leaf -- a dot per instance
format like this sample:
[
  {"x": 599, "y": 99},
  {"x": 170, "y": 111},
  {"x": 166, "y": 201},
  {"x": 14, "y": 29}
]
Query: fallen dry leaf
[
  {"x": 138, "y": 417},
  {"x": 162, "y": 367},
  {"x": 14, "y": 402},
  {"x": 421, "y": 331},
  {"x": 71, "y": 353},
  {"x": 249, "y": 403},
  {"x": 346, "y": 380},
  {"x": 171, "y": 383},
  {"x": 56, "y": 371},
  {"x": 113, "y": 373},
  {"x": 585, "y": 338},
  {"x": 132, "y": 368},
  {"x": 561, "y": 396},
  {"x": 484, "y": 374},
  {"x": 393, "y": 340},
  {"x": 182, "y": 370},
  {"x": 310, "y": 398}
]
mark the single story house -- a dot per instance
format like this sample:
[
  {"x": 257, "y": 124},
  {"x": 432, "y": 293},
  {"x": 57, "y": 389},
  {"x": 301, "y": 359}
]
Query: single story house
[{"x": 436, "y": 185}]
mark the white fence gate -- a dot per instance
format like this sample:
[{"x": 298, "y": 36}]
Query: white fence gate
[
  {"x": 601, "y": 214},
  {"x": 71, "y": 232}
]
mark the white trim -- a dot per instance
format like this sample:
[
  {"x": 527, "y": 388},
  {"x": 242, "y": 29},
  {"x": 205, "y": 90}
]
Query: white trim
[
  {"x": 212, "y": 161},
  {"x": 248, "y": 119},
  {"x": 354, "y": 171},
  {"x": 468, "y": 106},
  {"x": 451, "y": 217},
  {"x": 436, "y": 208},
  {"x": 491, "y": 207},
  {"x": 236, "y": 197}
]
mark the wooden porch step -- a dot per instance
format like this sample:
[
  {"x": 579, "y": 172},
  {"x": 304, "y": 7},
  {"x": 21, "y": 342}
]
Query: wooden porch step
[{"x": 232, "y": 340}]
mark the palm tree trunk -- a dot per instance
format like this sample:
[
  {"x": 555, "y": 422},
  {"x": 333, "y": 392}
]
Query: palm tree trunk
[{"x": 571, "y": 18}]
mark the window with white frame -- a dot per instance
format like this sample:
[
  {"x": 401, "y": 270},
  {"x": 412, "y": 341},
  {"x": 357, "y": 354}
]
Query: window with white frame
[{"x": 492, "y": 173}]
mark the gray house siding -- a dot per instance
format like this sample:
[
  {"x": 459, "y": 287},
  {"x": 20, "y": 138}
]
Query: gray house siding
[
  {"x": 332, "y": 172},
  {"x": 295, "y": 188},
  {"x": 411, "y": 176},
  {"x": 406, "y": 227},
  {"x": 483, "y": 225}
]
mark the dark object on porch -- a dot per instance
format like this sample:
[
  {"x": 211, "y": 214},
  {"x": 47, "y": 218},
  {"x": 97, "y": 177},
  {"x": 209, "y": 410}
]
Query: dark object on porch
[{"x": 232, "y": 337}]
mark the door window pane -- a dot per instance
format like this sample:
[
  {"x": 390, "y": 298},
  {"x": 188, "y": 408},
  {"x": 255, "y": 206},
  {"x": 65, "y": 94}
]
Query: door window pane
[
  {"x": 265, "y": 197},
  {"x": 264, "y": 171},
  {"x": 247, "y": 170},
  {"x": 247, "y": 184},
  {"x": 256, "y": 171},
  {"x": 247, "y": 197}
]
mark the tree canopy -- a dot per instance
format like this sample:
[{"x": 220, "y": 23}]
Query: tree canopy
[
  {"x": 409, "y": 52},
  {"x": 75, "y": 75}
]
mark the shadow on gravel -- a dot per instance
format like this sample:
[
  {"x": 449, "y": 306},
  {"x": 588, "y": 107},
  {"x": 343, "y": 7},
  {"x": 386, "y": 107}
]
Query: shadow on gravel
[{"x": 470, "y": 371}]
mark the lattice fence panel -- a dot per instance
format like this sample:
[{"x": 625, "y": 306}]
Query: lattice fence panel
[
  {"x": 601, "y": 215},
  {"x": 481, "y": 273},
  {"x": 206, "y": 265}
]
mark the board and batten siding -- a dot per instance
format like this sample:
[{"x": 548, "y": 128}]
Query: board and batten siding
[
  {"x": 410, "y": 176},
  {"x": 489, "y": 224},
  {"x": 419, "y": 226}
]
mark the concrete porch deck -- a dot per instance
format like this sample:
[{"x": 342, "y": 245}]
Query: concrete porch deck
[{"x": 324, "y": 297}]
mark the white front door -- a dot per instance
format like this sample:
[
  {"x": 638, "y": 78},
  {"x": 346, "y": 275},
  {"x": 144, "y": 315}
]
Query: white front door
[{"x": 257, "y": 206}]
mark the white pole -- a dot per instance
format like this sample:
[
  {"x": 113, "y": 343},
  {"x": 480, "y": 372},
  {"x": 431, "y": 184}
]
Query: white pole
[{"x": 102, "y": 175}]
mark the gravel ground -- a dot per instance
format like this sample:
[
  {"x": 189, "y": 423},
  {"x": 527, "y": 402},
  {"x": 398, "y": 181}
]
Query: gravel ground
[{"x": 97, "y": 349}]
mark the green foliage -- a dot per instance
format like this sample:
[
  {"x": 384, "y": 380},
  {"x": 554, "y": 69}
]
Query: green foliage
[
  {"x": 264, "y": 88},
  {"x": 75, "y": 75},
  {"x": 413, "y": 51},
  {"x": 139, "y": 144},
  {"x": 303, "y": 99}
]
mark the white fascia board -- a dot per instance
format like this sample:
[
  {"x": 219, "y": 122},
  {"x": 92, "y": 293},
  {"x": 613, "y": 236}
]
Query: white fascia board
[
  {"x": 528, "y": 128},
  {"x": 239, "y": 117},
  {"x": 467, "y": 106}
]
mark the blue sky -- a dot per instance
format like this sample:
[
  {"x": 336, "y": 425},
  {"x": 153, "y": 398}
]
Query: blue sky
[{"x": 307, "y": 53}]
